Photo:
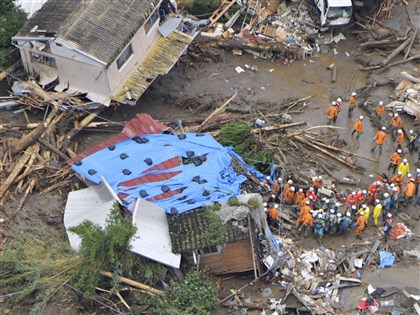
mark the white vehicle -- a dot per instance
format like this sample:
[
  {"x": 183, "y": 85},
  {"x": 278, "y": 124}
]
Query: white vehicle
[{"x": 334, "y": 12}]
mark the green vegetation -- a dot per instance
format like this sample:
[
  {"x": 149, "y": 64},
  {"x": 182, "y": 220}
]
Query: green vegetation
[
  {"x": 233, "y": 202},
  {"x": 215, "y": 232},
  {"x": 200, "y": 7},
  {"x": 103, "y": 249},
  {"x": 195, "y": 295},
  {"x": 240, "y": 138},
  {"x": 11, "y": 20},
  {"x": 253, "y": 203}
]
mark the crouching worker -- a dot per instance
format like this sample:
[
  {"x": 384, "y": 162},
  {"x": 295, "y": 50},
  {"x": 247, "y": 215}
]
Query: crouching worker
[
  {"x": 345, "y": 224},
  {"x": 319, "y": 228},
  {"x": 307, "y": 222},
  {"x": 360, "y": 224}
]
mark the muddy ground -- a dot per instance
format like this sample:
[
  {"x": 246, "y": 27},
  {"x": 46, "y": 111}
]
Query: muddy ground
[{"x": 192, "y": 92}]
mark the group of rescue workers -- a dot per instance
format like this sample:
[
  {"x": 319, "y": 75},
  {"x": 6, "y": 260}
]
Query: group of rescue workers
[{"x": 320, "y": 215}]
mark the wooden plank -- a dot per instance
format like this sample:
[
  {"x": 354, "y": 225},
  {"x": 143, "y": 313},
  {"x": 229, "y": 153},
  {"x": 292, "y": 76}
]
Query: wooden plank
[
  {"x": 251, "y": 239},
  {"x": 220, "y": 11},
  {"x": 369, "y": 258}
]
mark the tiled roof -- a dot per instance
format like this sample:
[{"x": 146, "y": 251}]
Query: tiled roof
[{"x": 188, "y": 231}]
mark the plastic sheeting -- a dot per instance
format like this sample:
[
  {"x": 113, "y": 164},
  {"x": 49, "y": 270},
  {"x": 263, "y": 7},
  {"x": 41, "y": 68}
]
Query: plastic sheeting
[
  {"x": 127, "y": 161},
  {"x": 386, "y": 259}
]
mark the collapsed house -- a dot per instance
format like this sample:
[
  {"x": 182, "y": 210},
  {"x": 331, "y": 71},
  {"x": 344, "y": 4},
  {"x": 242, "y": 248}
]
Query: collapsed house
[
  {"x": 170, "y": 184},
  {"x": 108, "y": 50}
]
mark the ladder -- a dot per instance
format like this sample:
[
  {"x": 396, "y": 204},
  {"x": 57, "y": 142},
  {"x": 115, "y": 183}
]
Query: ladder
[
  {"x": 221, "y": 10},
  {"x": 253, "y": 8}
]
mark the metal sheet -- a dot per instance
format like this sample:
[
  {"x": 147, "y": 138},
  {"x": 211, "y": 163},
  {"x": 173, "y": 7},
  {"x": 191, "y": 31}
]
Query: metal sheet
[{"x": 152, "y": 238}]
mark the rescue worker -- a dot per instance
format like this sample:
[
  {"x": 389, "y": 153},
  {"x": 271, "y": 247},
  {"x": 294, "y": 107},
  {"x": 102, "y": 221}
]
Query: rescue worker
[
  {"x": 299, "y": 196},
  {"x": 417, "y": 180},
  {"x": 353, "y": 210},
  {"x": 311, "y": 193},
  {"x": 339, "y": 102},
  {"x": 404, "y": 168},
  {"x": 398, "y": 179},
  {"x": 361, "y": 197},
  {"x": 305, "y": 209},
  {"x": 379, "y": 140},
  {"x": 351, "y": 200},
  {"x": 400, "y": 139},
  {"x": 396, "y": 123},
  {"x": 332, "y": 222},
  {"x": 366, "y": 212},
  {"x": 289, "y": 196},
  {"x": 277, "y": 187},
  {"x": 377, "y": 211},
  {"x": 373, "y": 191},
  {"x": 352, "y": 104},
  {"x": 319, "y": 228},
  {"x": 409, "y": 191},
  {"x": 327, "y": 205},
  {"x": 386, "y": 207},
  {"x": 360, "y": 224},
  {"x": 358, "y": 127},
  {"x": 380, "y": 110},
  {"x": 394, "y": 198},
  {"x": 287, "y": 186},
  {"x": 273, "y": 215},
  {"x": 345, "y": 223},
  {"x": 388, "y": 226},
  {"x": 317, "y": 183},
  {"x": 332, "y": 113},
  {"x": 395, "y": 160},
  {"x": 307, "y": 221},
  {"x": 272, "y": 198},
  {"x": 412, "y": 141},
  {"x": 303, "y": 203}
]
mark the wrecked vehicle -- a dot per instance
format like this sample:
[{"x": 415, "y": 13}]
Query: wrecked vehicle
[{"x": 334, "y": 12}]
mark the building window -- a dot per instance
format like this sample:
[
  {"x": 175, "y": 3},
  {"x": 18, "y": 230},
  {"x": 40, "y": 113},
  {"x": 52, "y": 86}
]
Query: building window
[
  {"x": 151, "y": 21},
  {"x": 210, "y": 250},
  {"x": 123, "y": 58}
]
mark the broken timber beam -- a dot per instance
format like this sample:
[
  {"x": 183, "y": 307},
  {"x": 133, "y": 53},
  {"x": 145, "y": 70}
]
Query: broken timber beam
[
  {"x": 369, "y": 258},
  {"x": 278, "y": 127},
  {"x": 133, "y": 283},
  {"x": 396, "y": 52}
]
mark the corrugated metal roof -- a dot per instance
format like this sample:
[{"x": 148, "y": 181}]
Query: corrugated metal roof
[
  {"x": 152, "y": 237},
  {"x": 159, "y": 61},
  {"x": 141, "y": 124},
  {"x": 103, "y": 28}
]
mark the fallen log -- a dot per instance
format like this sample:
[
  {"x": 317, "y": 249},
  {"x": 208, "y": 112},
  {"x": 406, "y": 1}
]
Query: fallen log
[
  {"x": 274, "y": 47},
  {"x": 370, "y": 257},
  {"x": 278, "y": 127},
  {"x": 396, "y": 52},
  {"x": 413, "y": 37},
  {"x": 4, "y": 73},
  {"x": 392, "y": 64},
  {"x": 217, "y": 111},
  {"x": 132, "y": 283},
  {"x": 380, "y": 43},
  {"x": 19, "y": 166},
  {"x": 54, "y": 149}
]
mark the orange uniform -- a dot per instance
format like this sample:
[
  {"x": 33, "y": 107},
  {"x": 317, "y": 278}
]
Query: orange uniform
[
  {"x": 318, "y": 183},
  {"x": 308, "y": 219},
  {"x": 395, "y": 159},
  {"x": 331, "y": 112},
  {"x": 361, "y": 222},
  {"x": 358, "y": 126},
  {"x": 289, "y": 197},
  {"x": 274, "y": 213},
  {"x": 299, "y": 196},
  {"x": 276, "y": 188},
  {"x": 396, "y": 122},
  {"x": 397, "y": 180},
  {"x": 303, "y": 202},
  {"x": 400, "y": 138},
  {"x": 380, "y": 110},
  {"x": 352, "y": 102},
  {"x": 410, "y": 189},
  {"x": 303, "y": 210},
  {"x": 381, "y": 137},
  {"x": 286, "y": 189}
]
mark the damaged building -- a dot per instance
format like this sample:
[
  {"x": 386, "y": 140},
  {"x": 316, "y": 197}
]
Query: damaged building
[{"x": 110, "y": 50}]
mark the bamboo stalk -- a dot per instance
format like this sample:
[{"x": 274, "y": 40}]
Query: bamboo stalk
[
  {"x": 133, "y": 283},
  {"x": 217, "y": 111}
]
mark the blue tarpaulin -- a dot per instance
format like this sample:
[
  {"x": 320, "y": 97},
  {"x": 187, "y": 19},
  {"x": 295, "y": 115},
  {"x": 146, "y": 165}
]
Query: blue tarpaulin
[
  {"x": 386, "y": 259},
  {"x": 130, "y": 160}
]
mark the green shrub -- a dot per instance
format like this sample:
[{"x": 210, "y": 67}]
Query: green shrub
[
  {"x": 195, "y": 295},
  {"x": 253, "y": 203}
]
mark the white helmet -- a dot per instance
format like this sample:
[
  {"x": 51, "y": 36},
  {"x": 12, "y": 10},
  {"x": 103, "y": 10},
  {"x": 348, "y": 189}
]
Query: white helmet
[
  {"x": 386, "y": 195},
  {"x": 381, "y": 103},
  {"x": 353, "y": 94},
  {"x": 327, "y": 201},
  {"x": 405, "y": 161},
  {"x": 353, "y": 193},
  {"x": 311, "y": 211},
  {"x": 378, "y": 182},
  {"x": 362, "y": 213},
  {"x": 290, "y": 182},
  {"x": 361, "y": 117},
  {"x": 399, "y": 131},
  {"x": 300, "y": 190},
  {"x": 337, "y": 204},
  {"x": 292, "y": 189},
  {"x": 394, "y": 189},
  {"x": 364, "y": 192},
  {"x": 399, "y": 173},
  {"x": 396, "y": 115},
  {"x": 319, "y": 177},
  {"x": 364, "y": 206},
  {"x": 339, "y": 215},
  {"x": 265, "y": 209},
  {"x": 399, "y": 151},
  {"x": 418, "y": 170},
  {"x": 310, "y": 197},
  {"x": 377, "y": 201},
  {"x": 383, "y": 128},
  {"x": 353, "y": 207},
  {"x": 265, "y": 204},
  {"x": 333, "y": 103},
  {"x": 409, "y": 175},
  {"x": 273, "y": 196},
  {"x": 348, "y": 214},
  {"x": 320, "y": 215},
  {"x": 332, "y": 211},
  {"x": 389, "y": 215},
  {"x": 339, "y": 100},
  {"x": 311, "y": 189},
  {"x": 279, "y": 179},
  {"x": 307, "y": 202},
  {"x": 276, "y": 206},
  {"x": 411, "y": 132},
  {"x": 268, "y": 178},
  {"x": 392, "y": 185}
]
